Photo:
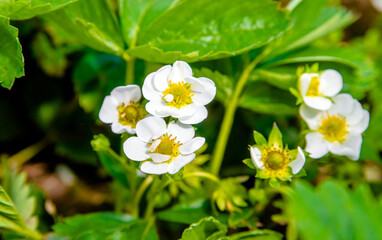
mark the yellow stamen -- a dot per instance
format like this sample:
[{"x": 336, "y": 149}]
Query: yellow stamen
[
  {"x": 130, "y": 114},
  {"x": 333, "y": 128},
  {"x": 180, "y": 94},
  {"x": 313, "y": 87},
  {"x": 167, "y": 146}
]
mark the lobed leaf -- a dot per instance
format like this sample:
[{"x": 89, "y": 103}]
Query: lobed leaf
[
  {"x": 94, "y": 23},
  {"x": 206, "y": 30},
  {"x": 25, "y": 9},
  {"x": 11, "y": 57},
  {"x": 206, "y": 229}
]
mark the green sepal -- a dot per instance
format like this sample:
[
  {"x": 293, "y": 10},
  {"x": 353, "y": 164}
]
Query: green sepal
[
  {"x": 289, "y": 176},
  {"x": 301, "y": 173},
  {"x": 259, "y": 139},
  {"x": 297, "y": 94},
  {"x": 273, "y": 182},
  {"x": 261, "y": 174},
  {"x": 275, "y": 137},
  {"x": 249, "y": 163}
]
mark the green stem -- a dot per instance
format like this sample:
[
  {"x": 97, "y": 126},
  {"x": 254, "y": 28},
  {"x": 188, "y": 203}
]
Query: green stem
[
  {"x": 137, "y": 198},
  {"x": 203, "y": 175},
  {"x": 229, "y": 115},
  {"x": 130, "y": 67},
  {"x": 155, "y": 190}
]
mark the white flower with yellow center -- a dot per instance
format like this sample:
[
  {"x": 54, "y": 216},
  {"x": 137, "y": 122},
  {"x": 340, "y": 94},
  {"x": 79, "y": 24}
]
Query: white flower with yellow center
[
  {"x": 166, "y": 148},
  {"x": 122, "y": 109},
  {"x": 317, "y": 89},
  {"x": 274, "y": 161},
  {"x": 173, "y": 91},
  {"x": 337, "y": 130}
]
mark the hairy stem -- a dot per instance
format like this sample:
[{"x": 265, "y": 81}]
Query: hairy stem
[
  {"x": 202, "y": 175},
  {"x": 229, "y": 115}
]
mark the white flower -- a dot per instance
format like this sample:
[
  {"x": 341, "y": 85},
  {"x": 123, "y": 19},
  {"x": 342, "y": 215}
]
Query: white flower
[
  {"x": 317, "y": 89},
  {"x": 173, "y": 91},
  {"x": 122, "y": 109},
  {"x": 166, "y": 148},
  {"x": 337, "y": 130}
]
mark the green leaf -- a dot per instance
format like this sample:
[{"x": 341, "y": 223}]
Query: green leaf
[
  {"x": 221, "y": 29},
  {"x": 104, "y": 225},
  {"x": 351, "y": 214},
  {"x": 249, "y": 163},
  {"x": 137, "y": 15},
  {"x": 25, "y": 9},
  {"x": 21, "y": 194},
  {"x": 188, "y": 212},
  {"x": 52, "y": 60},
  {"x": 259, "y": 139},
  {"x": 224, "y": 84},
  {"x": 257, "y": 235},
  {"x": 93, "y": 22},
  {"x": 114, "y": 168},
  {"x": 310, "y": 26},
  {"x": 206, "y": 229},
  {"x": 94, "y": 77},
  {"x": 10, "y": 219},
  {"x": 263, "y": 98},
  {"x": 11, "y": 58}
]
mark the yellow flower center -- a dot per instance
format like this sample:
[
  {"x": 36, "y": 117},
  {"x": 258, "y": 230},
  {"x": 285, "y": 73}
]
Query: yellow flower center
[
  {"x": 130, "y": 114},
  {"x": 276, "y": 160},
  {"x": 313, "y": 87},
  {"x": 178, "y": 94},
  {"x": 333, "y": 128},
  {"x": 167, "y": 146},
  {"x": 276, "y": 163}
]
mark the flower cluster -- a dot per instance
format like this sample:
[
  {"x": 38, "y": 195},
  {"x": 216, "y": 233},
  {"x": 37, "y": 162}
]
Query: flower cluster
[
  {"x": 173, "y": 92},
  {"x": 336, "y": 121}
]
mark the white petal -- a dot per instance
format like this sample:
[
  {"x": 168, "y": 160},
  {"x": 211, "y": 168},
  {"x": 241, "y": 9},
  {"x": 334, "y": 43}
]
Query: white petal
[
  {"x": 161, "y": 78},
  {"x": 158, "y": 158},
  {"x": 154, "y": 145},
  {"x": 200, "y": 114},
  {"x": 362, "y": 125},
  {"x": 158, "y": 108},
  {"x": 108, "y": 112},
  {"x": 204, "y": 90},
  {"x": 117, "y": 128},
  {"x": 319, "y": 103},
  {"x": 135, "y": 149},
  {"x": 330, "y": 83},
  {"x": 304, "y": 82},
  {"x": 149, "y": 91},
  {"x": 169, "y": 98},
  {"x": 351, "y": 147},
  {"x": 182, "y": 132},
  {"x": 125, "y": 94},
  {"x": 150, "y": 128},
  {"x": 343, "y": 104},
  {"x": 192, "y": 145},
  {"x": 316, "y": 145},
  {"x": 130, "y": 130},
  {"x": 356, "y": 114},
  {"x": 256, "y": 157},
  {"x": 150, "y": 167},
  {"x": 185, "y": 111},
  {"x": 180, "y": 71},
  {"x": 311, "y": 116},
  {"x": 177, "y": 163},
  {"x": 299, "y": 162}
]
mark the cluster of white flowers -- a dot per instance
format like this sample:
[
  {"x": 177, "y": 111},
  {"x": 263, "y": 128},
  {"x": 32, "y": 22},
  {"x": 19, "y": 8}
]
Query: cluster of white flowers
[
  {"x": 336, "y": 121},
  {"x": 172, "y": 91}
]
